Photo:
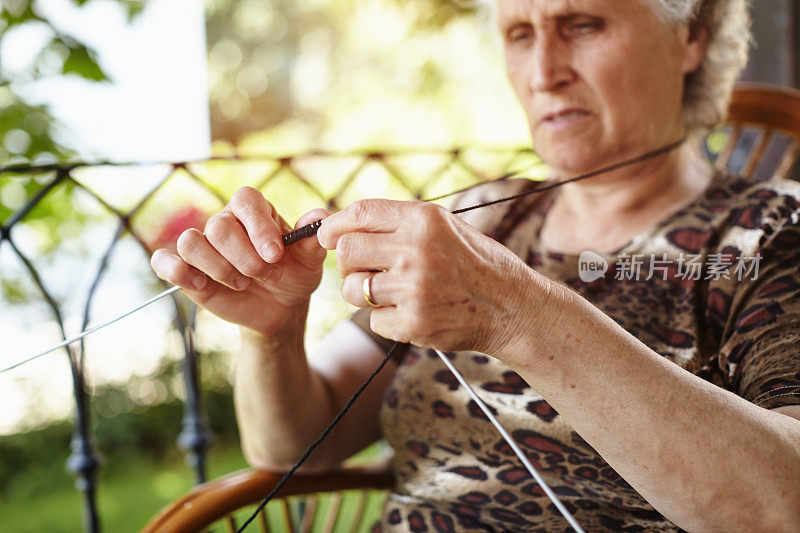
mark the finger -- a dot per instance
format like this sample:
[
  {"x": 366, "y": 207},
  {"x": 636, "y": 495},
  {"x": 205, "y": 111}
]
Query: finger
[
  {"x": 376, "y": 216},
  {"x": 387, "y": 322},
  {"x": 261, "y": 222},
  {"x": 227, "y": 235},
  {"x": 381, "y": 287},
  {"x": 169, "y": 266},
  {"x": 308, "y": 251},
  {"x": 364, "y": 251},
  {"x": 194, "y": 248}
]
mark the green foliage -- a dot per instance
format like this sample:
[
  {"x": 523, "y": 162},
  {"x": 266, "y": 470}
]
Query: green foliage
[
  {"x": 12, "y": 292},
  {"x": 16, "y": 13},
  {"x": 131, "y": 491},
  {"x": 80, "y": 60},
  {"x": 33, "y": 126},
  {"x": 28, "y": 132},
  {"x": 433, "y": 15},
  {"x": 142, "y": 469},
  {"x": 259, "y": 54},
  {"x": 61, "y": 54},
  {"x": 35, "y": 455},
  {"x": 46, "y": 219},
  {"x": 32, "y": 463}
]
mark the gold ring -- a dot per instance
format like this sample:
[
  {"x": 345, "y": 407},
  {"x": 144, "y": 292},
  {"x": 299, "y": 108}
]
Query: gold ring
[{"x": 366, "y": 288}]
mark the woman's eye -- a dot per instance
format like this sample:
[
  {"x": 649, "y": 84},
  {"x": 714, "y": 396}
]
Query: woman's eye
[
  {"x": 583, "y": 27},
  {"x": 520, "y": 33}
]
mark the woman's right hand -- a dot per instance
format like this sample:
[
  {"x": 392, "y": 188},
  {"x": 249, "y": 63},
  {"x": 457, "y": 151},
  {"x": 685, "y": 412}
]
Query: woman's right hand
[{"x": 238, "y": 268}]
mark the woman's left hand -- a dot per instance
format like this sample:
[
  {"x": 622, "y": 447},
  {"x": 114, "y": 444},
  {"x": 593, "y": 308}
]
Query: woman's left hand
[{"x": 437, "y": 281}]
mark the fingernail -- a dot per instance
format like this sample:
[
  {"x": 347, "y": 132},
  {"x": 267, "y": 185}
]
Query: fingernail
[
  {"x": 242, "y": 283},
  {"x": 199, "y": 282},
  {"x": 270, "y": 251},
  {"x": 270, "y": 275}
]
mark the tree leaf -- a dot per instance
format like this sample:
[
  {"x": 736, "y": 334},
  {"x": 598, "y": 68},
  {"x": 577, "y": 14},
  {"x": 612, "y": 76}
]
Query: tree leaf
[
  {"x": 25, "y": 14},
  {"x": 133, "y": 8},
  {"x": 80, "y": 61}
]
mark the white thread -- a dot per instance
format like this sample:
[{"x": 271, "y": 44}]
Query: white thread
[
  {"x": 520, "y": 454},
  {"x": 522, "y": 457},
  {"x": 91, "y": 330}
]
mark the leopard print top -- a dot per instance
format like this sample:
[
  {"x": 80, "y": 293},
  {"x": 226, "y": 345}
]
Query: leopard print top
[{"x": 453, "y": 470}]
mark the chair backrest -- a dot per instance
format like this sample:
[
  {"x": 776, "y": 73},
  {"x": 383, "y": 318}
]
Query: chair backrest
[
  {"x": 219, "y": 499},
  {"x": 763, "y": 133}
]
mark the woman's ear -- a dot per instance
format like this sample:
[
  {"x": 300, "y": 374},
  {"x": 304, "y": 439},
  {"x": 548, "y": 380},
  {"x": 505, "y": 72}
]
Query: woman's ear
[{"x": 695, "y": 47}]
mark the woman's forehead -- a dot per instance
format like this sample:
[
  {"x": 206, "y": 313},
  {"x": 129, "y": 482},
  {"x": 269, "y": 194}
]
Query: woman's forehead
[{"x": 548, "y": 9}]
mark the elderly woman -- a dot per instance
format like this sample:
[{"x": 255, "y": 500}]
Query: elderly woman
[{"x": 651, "y": 398}]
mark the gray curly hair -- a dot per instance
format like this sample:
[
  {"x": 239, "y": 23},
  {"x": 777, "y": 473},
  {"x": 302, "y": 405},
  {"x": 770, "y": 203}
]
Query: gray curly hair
[{"x": 707, "y": 90}]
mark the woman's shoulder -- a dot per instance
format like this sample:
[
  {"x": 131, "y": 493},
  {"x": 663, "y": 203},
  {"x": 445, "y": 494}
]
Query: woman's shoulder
[
  {"x": 749, "y": 215},
  {"x": 752, "y": 204},
  {"x": 734, "y": 216}
]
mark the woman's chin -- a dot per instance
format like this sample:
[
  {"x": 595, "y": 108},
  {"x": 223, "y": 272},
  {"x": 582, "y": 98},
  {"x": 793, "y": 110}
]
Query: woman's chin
[
  {"x": 569, "y": 151},
  {"x": 570, "y": 158}
]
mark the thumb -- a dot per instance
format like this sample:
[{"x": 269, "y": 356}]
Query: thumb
[{"x": 308, "y": 251}]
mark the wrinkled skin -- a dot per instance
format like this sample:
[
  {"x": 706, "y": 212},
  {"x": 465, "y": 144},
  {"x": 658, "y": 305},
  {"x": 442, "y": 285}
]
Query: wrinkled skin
[
  {"x": 437, "y": 281},
  {"x": 233, "y": 270}
]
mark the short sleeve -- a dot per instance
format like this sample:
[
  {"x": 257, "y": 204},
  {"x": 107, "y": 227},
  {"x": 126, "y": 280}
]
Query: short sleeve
[{"x": 761, "y": 343}]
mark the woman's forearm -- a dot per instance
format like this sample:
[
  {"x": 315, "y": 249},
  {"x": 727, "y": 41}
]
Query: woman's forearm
[
  {"x": 704, "y": 457},
  {"x": 281, "y": 404}
]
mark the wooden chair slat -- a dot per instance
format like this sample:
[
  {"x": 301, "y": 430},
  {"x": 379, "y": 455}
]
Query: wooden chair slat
[
  {"x": 333, "y": 513},
  {"x": 230, "y": 523},
  {"x": 308, "y": 515},
  {"x": 776, "y": 108},
  {"x": 756, "y": 154},
  {"x": 262, "y": 520},
  {"x": 287, "y": 515},
  {"x": 788, "y": 160},
  {"x": 210, "y": 502},
  {"x": 724, "y": 157},
  {"x": 358, "y": 515}
]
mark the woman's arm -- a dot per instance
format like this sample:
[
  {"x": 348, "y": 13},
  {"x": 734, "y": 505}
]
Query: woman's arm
[
  {"x": 239, "y": 270},
  {"x": 789, "y": 410},
  {"x": 284, "y": 400},
  {"x": 702, "y": 456}
]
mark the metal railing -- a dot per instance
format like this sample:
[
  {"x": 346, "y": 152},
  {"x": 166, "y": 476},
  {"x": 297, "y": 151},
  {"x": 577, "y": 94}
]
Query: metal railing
[{"x": 405, "y": 174}]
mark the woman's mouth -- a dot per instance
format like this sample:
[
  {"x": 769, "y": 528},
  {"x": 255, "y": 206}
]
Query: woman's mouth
[{"x": 564, "y": 118}]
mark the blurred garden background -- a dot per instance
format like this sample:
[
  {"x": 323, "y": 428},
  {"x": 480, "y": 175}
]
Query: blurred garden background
[{"x": 123, "y": 122}]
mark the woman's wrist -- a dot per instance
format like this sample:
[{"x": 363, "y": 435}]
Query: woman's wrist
[
  {"x": 536, "y": 301},
  {"x": 288, "y": 337}
]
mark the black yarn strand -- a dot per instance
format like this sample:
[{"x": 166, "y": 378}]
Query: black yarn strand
[
  {"x": 617, "y": 166},
  {"x": 322, "y": 437},
  {"x": 311, "y": 229}
]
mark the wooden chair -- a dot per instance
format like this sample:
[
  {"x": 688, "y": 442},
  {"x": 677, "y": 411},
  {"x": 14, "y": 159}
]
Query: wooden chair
[
  {"x": 763, "y": 133},
  {"x": 217, "y": 500},
  {"x": 761, "y": 139}
]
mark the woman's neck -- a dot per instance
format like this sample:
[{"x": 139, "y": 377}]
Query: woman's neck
[{"x": 609, "y": 210}]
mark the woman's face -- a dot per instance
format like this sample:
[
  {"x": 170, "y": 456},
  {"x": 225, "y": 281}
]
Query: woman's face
[{"x": 600, "y": 80}]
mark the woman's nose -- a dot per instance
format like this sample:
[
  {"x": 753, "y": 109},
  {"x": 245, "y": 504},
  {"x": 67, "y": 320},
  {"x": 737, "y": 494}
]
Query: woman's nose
[{"x": 550, "y": 65}]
